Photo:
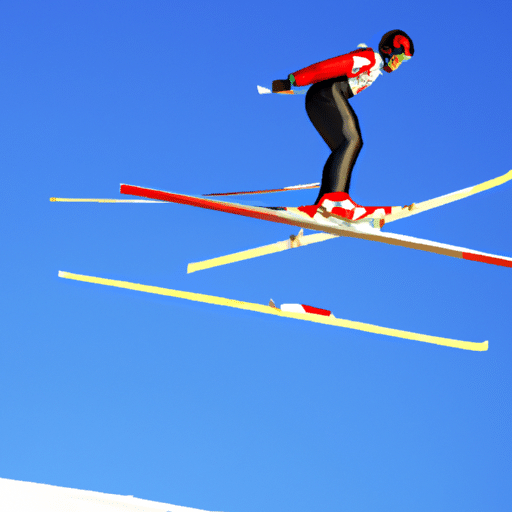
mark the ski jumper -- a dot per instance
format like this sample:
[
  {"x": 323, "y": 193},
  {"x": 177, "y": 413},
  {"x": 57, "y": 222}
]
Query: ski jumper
[{"x": 335, "y": 81}]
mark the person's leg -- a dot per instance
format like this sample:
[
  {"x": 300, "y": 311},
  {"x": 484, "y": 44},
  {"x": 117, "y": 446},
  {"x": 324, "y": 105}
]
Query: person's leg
[{"x": 336, "y": 122}]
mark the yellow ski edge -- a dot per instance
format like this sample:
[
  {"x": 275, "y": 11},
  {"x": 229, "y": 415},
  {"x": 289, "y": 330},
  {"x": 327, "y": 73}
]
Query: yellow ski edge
[
  {"x": 447, "y": 198},
  {"x": 86, "y": 200},
  {"x": 220, "y": 301},
  {"x": 293, "y": 242}
]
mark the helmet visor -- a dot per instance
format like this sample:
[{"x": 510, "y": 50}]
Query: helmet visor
[{"x": 395, "y": 61}]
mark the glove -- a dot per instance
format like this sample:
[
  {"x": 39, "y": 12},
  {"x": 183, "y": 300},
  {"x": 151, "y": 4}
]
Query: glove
[{"x": 281, "y": 85}]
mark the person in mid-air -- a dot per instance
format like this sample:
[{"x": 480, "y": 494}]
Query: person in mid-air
[{"x": 335, "y": 81}]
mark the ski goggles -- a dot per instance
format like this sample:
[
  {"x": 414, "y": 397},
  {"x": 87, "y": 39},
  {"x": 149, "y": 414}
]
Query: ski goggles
[{"x": 395, "y": 61}]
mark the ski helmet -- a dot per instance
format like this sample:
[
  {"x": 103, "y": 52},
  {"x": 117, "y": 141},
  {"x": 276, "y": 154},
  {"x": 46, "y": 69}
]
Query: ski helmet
[{"x": 396, "y": 42}]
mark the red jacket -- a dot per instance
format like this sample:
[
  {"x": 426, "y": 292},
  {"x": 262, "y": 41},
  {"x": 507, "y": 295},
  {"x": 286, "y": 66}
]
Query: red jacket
[{"x": 351, "y": 65}]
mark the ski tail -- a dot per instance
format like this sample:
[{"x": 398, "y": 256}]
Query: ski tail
[{"x": 265, "y": 191}]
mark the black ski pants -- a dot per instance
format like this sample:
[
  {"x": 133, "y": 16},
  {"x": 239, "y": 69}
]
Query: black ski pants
[{"x": 335, "y": 120}]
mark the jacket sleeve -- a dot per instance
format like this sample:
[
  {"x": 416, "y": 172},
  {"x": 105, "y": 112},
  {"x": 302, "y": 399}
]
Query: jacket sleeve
[{"x": 349, "y": 65}]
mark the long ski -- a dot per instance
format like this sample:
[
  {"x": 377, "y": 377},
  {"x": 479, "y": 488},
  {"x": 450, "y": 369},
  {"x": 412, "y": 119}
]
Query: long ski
[
  {"x": 448, "y": 198},
  {"x": 397, "y": 214},
  {"x": 406, "y": 211},
  {"x": 265, "y": 191},
  {"x": 87, "y": 200},
  {"x": 284, "y": 217},
  {"x": 288, "y": 312},
  {"x": 293, "y": 242}
]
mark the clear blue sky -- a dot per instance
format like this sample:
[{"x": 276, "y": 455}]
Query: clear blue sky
[{"x": 207, "y": 407}]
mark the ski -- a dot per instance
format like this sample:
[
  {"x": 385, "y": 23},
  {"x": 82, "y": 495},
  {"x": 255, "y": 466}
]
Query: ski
[
  {"x": 294, "y": 311},
  {"x": 397, "y": 213},
  {"x": 407, "y": 211},
  {"x": 82, "y": 200},
  {"x": 293, "y": 242},
  {"x": 265, "y": 191},
  {"x": 362, "y": 231}
]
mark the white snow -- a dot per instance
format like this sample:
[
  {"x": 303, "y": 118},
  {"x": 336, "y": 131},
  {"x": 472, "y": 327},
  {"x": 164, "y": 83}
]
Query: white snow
[{"x": 16, "y": 496}]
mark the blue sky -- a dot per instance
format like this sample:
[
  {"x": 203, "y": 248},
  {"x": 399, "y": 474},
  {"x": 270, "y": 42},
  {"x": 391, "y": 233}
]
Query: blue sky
[{"x": 207, "y": 407}]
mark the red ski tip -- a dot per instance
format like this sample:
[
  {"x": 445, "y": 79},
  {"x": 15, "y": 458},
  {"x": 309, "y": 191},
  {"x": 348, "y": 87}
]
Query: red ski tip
[{"x": 302, "y": 308}]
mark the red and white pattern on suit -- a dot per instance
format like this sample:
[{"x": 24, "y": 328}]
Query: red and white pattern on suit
[{"x": 361, "y": 67}]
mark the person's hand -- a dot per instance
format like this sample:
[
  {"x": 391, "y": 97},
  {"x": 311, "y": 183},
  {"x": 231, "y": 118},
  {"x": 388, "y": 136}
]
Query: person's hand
[{"x": 281, "y": 85}]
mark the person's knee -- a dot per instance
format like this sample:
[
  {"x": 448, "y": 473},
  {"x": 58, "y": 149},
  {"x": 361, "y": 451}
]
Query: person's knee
[{"x": 355, "y": 141}]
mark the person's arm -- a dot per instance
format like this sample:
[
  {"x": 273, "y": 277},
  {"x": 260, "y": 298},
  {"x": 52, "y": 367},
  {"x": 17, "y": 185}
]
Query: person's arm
[{"x": 349, "y": 65}]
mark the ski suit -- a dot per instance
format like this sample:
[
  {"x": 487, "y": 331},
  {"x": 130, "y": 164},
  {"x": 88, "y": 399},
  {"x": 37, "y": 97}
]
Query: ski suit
[{"x": 334, "y": 82}]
